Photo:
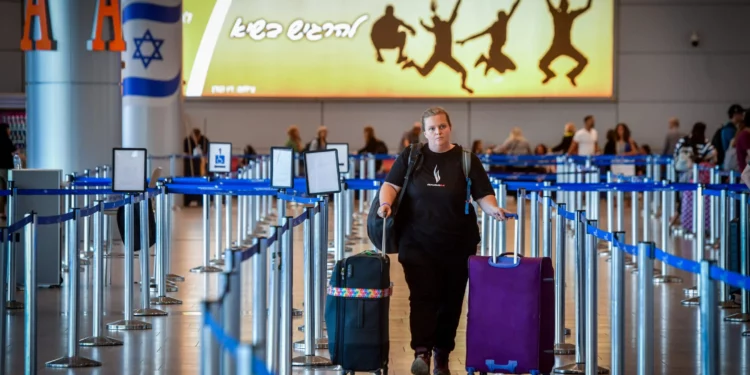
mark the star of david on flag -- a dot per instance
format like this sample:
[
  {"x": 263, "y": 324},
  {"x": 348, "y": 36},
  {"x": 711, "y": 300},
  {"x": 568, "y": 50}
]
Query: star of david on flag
[{"x": 155, "y": 53}]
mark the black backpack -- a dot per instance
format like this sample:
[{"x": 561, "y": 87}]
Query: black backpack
[{"x": 718, "y": 144}]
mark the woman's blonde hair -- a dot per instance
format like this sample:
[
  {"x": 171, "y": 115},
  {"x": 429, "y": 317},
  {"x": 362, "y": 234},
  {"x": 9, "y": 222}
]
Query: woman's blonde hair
[{"x": 434, "y": 111}]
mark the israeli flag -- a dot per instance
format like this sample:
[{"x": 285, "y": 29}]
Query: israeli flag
[{"x": 153, "y": 60}]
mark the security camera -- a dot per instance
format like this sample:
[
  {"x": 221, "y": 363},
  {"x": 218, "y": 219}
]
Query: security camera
[{"x": 694, "y": 39}]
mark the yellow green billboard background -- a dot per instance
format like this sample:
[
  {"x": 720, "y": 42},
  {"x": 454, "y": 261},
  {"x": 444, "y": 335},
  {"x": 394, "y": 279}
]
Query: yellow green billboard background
[{"x": 230, "y": 49}]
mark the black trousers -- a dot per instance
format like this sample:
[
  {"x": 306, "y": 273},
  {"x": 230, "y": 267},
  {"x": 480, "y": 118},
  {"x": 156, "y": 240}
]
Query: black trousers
[{"x": 436, "y": 295}]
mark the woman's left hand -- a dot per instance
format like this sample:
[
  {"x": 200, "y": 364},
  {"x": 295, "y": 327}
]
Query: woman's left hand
[{"x": 498, "y": 213}]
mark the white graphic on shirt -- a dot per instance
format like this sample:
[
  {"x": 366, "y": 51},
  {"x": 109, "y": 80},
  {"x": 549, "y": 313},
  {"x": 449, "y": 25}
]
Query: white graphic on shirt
[{"x": 436, "y": 173}]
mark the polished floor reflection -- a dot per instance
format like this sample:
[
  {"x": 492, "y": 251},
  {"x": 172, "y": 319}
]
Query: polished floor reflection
[{"x": 172, "y": 346}]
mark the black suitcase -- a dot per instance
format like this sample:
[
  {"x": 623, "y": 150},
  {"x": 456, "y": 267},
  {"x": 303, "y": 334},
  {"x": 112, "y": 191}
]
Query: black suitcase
[
  {"x": 733, "y": 251},
  {"x": 137, "y": 224},
  {"x": 357, "y": 308}
]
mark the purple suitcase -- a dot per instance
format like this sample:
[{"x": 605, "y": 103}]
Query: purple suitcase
[{"x": 510, "y": 324}]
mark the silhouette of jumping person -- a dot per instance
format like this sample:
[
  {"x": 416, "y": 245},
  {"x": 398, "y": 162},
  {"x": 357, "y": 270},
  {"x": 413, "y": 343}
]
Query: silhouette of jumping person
[
  {"x": 561, "y": 43},
  {"x": 498, "y": 32},
  {"x": 443, "y": 47},
  {"x": 385, "y": 34}
]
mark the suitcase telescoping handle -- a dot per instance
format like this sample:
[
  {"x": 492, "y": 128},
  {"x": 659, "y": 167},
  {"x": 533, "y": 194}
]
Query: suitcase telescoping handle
[
  {"x": 385, "y": 221},
  {"x": 497, "y": 260}
]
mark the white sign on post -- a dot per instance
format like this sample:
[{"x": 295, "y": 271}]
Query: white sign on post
[
  {"x": 322, "y": 175},
  {"x": 343, "y": 155},
  {"x": 219, "y": 157},
  {"x": 282, "y": 168},
  {"x": 129, "y": 170}
]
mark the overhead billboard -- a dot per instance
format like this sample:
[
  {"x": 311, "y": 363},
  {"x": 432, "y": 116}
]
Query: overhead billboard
[{"x": 406, "y": 49}]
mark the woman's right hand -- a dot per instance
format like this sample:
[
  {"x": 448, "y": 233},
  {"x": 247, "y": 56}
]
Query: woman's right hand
[{"x": 384, "y": 211}]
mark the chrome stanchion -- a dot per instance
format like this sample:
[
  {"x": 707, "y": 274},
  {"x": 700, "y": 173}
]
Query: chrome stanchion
[
  {"x": 168, "y": 232},
  {"x": 206, "y": 267},
  {"x": 96, "y": 338},
  {"x": 546, "y": 225},
  {"x": 260, "y": 303},
  {"x": 724, "y": 301},
  {"x": 339, "y": 226},
  {"x": 282, "y": 213},
  {"x": 698, "y": 244},
  {"x": 10, "y": 292},
  {"x": 285, "y": 332},
  {"x": 231, "y": 303},
  {"x": 534, "y": 219},
  {"x": 579, "y": 366},
  {"x": 714, "y": 209},
  {"x": 696, "y": 180},
  {"x": 617, "y": 306},
  {"x": 210, "y": 345},
  {"x": 30, "y": 298},
  {"x": 228, "y": 222},
  {"x": 744, "y": 315},
  {"x": 561, "y": 347},
  {"x": 145, "y": 309},
  {"x": 129, "y": 323},
  {"x": 274, "y": 301},
  {"x": 245, "y": 359},
  {"x": 162, "y": 229},
  {"x": 73, "y": 360},
  {"x": 610, "y": 215},
  {"x": 645, "y": 309},
  {"x": 321, "y": 274},
  {"x": 665, "y": 277},
  {"x": 86, "y": 247},
  {"x": 634, "y": 226},
  {"x": 218, "y": 243},
  {"x": 241, "y": 235},
  {"x": 592, "y": 281},
  {"x": 709, "y": 321},
  {"x": 485, "y": 230},
  {"x": 521, "y": 205},
  {"x": 308, "y": 344}
]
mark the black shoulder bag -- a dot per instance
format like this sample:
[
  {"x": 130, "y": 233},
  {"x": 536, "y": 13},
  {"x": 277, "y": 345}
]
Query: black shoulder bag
[{"x": 375, "y": 224}]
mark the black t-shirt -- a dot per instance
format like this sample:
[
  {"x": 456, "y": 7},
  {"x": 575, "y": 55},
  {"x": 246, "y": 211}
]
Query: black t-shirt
[{"x": 432, "y": 221}]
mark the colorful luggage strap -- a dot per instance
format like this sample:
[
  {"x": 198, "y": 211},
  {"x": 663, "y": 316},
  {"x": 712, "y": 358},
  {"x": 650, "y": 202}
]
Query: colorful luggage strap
[{"x": 360, "y": 292}]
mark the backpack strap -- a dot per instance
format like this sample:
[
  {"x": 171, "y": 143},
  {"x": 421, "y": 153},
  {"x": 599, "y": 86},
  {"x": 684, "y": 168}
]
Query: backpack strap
[
  {"x": 415, "y": 153},
  {"x": 466, "y": 166}
]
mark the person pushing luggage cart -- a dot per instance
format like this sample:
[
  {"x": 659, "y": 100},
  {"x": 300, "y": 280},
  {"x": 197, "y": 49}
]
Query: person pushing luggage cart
[{"x": 436, "y": 230}]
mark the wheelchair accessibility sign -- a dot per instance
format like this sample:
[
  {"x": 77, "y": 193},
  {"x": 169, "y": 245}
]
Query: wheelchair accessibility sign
[{"x": 219, "y": 157}]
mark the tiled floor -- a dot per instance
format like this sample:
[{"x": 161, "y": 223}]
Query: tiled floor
[{"x": 173, "y": 345}]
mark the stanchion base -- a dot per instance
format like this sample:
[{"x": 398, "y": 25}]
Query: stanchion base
[
  {"x": 297, "y": 313},
  {"x": 149, "y": 312},
  {"x": 634, "y": 270},
  {"x": 114, "y": 255},
  {"x": 99, "y": 341},
  {"x": 311, "y": 361},
  {"x": 164, "y": 300},
  {"x": 746, "y": 333},
  {"x": 73, "y": 362},
  {"x": 728, "y": 305},
  {"x": 605, "y": 253},
  {"x": 172, "y": 289},
  {"x": 205, "y": 269},
  {"x": 577, "y": 368},
  {"x": 128, "y": 325},
  {"x": 693, "y": 301},
  {"x": 667, "y": 279},
  {"x": 738, "y": 318},
  {"x": 14, "y": 305},
  {"x": 565, "y": 349},
  {"x": 175, "y": 278},
  {"x": 217, "y": 262},
  {"x": 629, "y": 263}
]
